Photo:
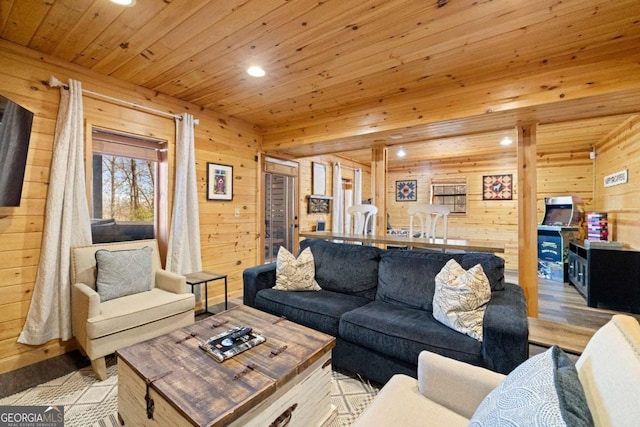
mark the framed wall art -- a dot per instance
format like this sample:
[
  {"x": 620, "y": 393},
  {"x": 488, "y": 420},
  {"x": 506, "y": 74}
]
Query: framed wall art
[
  {"x": 497, "y": 187},
  {"x": 319, "y": 179},
  {"x": 406, "y": 191},
  {"x": 318, "y": 204},
  {"x": 219, "y": 182}
]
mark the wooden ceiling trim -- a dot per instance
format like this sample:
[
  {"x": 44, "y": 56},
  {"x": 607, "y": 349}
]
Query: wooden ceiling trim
[
  {"x": 578, "y": 109},
  {"x": 412, "y": 109},
  {"x": 436, "y": 84}
]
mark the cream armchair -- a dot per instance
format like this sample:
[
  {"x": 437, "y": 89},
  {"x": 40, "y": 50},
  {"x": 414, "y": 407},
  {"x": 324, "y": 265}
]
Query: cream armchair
[
  {"x": 101, "y": 327},
  {"x": 448, "y": 392}
]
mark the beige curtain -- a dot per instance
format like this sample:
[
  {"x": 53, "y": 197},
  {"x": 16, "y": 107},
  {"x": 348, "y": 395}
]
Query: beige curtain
[
  {"x": 66, "y": 224},
  {"x": 183, "y": 253}
]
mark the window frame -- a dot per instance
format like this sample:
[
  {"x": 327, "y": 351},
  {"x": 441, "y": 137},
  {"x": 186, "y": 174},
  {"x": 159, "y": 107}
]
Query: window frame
[
  {"x": 437, "y": 199},
  {"x": 161, "y": 187}
]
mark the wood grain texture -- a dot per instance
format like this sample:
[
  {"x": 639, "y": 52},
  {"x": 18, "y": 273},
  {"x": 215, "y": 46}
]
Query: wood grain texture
[
  {"x": 218, "y": 138},
  {"x": 180, "y": 367}
]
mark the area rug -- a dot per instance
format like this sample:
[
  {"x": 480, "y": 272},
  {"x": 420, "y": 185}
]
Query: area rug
[{"x": 89, "y": 402}]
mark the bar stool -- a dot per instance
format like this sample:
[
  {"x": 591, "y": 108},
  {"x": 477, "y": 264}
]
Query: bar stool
[
  {"x": 363, "y": 218},
  {"x": 429, "y": 215}
]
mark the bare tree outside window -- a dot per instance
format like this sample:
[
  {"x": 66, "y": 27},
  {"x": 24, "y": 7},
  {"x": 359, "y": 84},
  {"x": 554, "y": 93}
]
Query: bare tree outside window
[
  {"x": 125, "y": 173},
  {"x": 127, "y": 189}
]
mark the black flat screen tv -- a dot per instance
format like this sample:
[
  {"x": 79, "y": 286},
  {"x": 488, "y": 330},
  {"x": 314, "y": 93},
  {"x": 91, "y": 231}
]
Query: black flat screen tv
[{"x": 15, "y": 132}]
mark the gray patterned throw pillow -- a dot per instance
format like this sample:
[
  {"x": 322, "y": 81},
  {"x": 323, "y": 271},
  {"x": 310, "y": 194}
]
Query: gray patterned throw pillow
[
  {"x": 544, "y": 391},
  {"x": 461, "y": 298},
  {"x": 122, "y": 273}
]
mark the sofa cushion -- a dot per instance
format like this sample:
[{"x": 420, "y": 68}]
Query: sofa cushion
[
  {"x": 134, "y": 310},
  {"x": 404, "y": 332},
  {"x": 344, "y": 268},
  {"x": 543, "y": 391},
  {"x": 461, "y": 297},
  {"x": 407, "y": 278},
  {"x": 492, "y": 265},
  {"x": 295, "y": 274},
  {"x": 122, "y": 273},
  {"x": 319, "y": 310}
]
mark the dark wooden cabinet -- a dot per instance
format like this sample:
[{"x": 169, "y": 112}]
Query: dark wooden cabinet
[{"x": 606, "y": 277}]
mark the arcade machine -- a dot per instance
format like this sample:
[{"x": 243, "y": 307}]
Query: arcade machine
[{"x": 562, "y": 221}]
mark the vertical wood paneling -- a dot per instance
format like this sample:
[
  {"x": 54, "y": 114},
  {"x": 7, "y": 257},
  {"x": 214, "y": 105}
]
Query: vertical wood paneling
[{"x": 228, "y": 242}]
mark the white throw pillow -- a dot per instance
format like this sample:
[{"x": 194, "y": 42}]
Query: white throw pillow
[
  {"x": 461, "y": 298},
  {"x": 295, "y": 274}
]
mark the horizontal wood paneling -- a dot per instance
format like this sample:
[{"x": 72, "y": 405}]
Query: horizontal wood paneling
[
  {"x": 558, "y": 173},
  {"x": 308, "y": 221},
  {"x": 228, "y": 243},
  {"x": 618, "y": 151}
]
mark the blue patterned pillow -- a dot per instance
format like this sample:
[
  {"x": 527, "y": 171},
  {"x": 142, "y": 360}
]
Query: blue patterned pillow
[
  {"x": 543, "y": 391},
  {"x": 123, "y": 273}
]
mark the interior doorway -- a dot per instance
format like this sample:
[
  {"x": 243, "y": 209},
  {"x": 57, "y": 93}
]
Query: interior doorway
[{"x": 280, "y": 214}]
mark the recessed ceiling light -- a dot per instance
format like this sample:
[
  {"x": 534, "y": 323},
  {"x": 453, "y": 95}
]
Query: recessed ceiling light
[
  {"x": 396, "y": 136},
  {"x": 401, "y": 153},
  {"x": 256, "y": 71},
  {"x": 506, "y": 141},
  {"x": 124, "y": 2}
]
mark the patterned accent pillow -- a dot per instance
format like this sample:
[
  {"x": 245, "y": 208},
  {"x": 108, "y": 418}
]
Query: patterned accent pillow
[
  {"x": 461, "y": 298},
  {"x": 295, "y": 274},
  {"x": 543, "y": 391},
  {"x": 122, "y": 273}
]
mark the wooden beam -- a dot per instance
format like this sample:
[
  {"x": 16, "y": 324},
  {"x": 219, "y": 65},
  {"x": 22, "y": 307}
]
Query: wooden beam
[
  {"x": 378, "y": 186},
  {"x": 527, "y": 217}
]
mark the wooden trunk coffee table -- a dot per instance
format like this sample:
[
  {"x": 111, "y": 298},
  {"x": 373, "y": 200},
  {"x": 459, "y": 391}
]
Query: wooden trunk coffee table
[{"x": 169, "y": 380}]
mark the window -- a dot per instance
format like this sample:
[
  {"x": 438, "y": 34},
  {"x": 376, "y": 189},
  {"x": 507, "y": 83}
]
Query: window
[
  {"x": 451, "y": 193},
  {"x": 125, "y": 186}
]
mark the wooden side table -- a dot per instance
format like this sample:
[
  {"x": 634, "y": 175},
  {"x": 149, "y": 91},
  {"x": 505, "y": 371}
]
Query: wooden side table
[{"x": 203, "y": 278}]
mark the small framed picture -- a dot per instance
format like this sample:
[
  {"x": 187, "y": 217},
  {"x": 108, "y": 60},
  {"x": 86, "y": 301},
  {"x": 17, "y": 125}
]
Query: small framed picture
[
  {"x": 219, "y": 182},
  {"x": 407, "y": 191},
  {"x": 497, "y": 187},
  {"x": 318, "y": 178}
]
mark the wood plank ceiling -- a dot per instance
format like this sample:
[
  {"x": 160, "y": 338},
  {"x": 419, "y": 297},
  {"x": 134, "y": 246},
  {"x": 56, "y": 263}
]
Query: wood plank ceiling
[{"x": 343, "y": 75}]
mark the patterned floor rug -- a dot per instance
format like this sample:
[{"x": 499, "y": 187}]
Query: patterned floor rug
[{"x": 89, "y": 402}]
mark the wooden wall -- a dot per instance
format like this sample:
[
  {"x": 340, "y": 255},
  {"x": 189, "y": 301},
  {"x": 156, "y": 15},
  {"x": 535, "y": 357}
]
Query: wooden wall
[
  {"x": 228, "y": 243},
  {"x": 558, "y": 173},
  {"x": 618, "y": 151},
  {"x": 308, "y": 221}
]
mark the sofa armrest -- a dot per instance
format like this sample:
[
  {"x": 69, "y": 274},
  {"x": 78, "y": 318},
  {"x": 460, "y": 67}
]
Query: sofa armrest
[
  {"x": 505, "y": 330},
  {"x": 85, "y": 306},
  {"x": 255, "y": 279},
  {"x": 456, "y": 385},
  {"x": 171, "y": 282}
]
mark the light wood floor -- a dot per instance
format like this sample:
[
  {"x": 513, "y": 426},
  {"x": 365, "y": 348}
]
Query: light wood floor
[{"x": 563, "y": 315}]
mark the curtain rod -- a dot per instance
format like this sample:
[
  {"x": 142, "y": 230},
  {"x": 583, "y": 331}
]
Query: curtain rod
[{"x": 54, "y": 82}]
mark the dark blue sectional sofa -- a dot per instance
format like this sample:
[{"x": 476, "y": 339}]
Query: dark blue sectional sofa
[{"x": 378, "y": 305}]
